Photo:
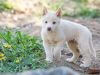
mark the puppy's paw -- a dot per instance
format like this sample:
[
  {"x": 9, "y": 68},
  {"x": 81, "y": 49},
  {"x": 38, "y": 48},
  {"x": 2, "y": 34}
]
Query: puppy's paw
[
  {"x": 70, "y": 60},
  {"x": 49, "y": 60},
  {"x": 85, "y": 65}
]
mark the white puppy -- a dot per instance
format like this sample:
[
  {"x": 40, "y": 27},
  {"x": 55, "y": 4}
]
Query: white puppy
[{"x": 56, "y": 31}]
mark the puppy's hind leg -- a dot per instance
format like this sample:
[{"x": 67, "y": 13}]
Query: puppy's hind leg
[
  {"x": 74, "y": 49},
  {"x": 84, "y": 49}
]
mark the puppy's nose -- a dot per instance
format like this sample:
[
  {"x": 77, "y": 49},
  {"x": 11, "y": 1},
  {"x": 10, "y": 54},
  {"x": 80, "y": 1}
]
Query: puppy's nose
[{"x": 49, "y": 28}]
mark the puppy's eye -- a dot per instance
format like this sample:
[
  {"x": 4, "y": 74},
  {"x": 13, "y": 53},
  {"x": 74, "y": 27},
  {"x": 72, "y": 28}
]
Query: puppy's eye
[
  {"x": 46, "y": 22},
  {"x": 54, "y": 22}
]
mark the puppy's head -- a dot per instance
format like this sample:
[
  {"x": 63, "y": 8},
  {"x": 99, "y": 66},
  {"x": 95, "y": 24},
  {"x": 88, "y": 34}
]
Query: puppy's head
[{"x": 51, "y": 20}]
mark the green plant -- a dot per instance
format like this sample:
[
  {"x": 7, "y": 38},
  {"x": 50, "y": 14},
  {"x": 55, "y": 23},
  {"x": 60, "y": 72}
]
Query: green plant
[
  {"x": 81, "y": 1},
  {"x": 87, "y": 12},
  {"x": 5, "y": 5},
  {"x": 21, "y": 52},
  {"x": 55, "y": 4}
]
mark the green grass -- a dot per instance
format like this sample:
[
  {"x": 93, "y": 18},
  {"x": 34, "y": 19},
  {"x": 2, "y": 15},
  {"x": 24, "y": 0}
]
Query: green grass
[
  {"x": 21, "y": 52},
  {"x": 81, "y": 8},
  {"x": 56, "y": 5},
  {"x": 90, "y": 13},
  {"x": 5, "y": 6},
  {"x": 83, "y": 11},
  {"x": 81, "y": 1}
]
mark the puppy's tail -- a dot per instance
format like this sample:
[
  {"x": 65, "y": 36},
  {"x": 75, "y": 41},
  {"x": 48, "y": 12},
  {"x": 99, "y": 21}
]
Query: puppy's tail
[{"x": 92, "y": 50}]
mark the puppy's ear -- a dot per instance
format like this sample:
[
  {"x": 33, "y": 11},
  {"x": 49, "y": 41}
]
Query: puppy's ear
[
  {"x": 45, "y": 11},
  {"x": 58, "y": 12}
]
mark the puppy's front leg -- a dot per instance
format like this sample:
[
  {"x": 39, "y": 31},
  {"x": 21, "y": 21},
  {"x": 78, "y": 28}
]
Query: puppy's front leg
[
  {"x": 48, "y": 51},
  {"x": 57, "y": 51}
]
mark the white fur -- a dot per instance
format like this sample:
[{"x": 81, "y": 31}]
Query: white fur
[{"x": 65, "y": 31}]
